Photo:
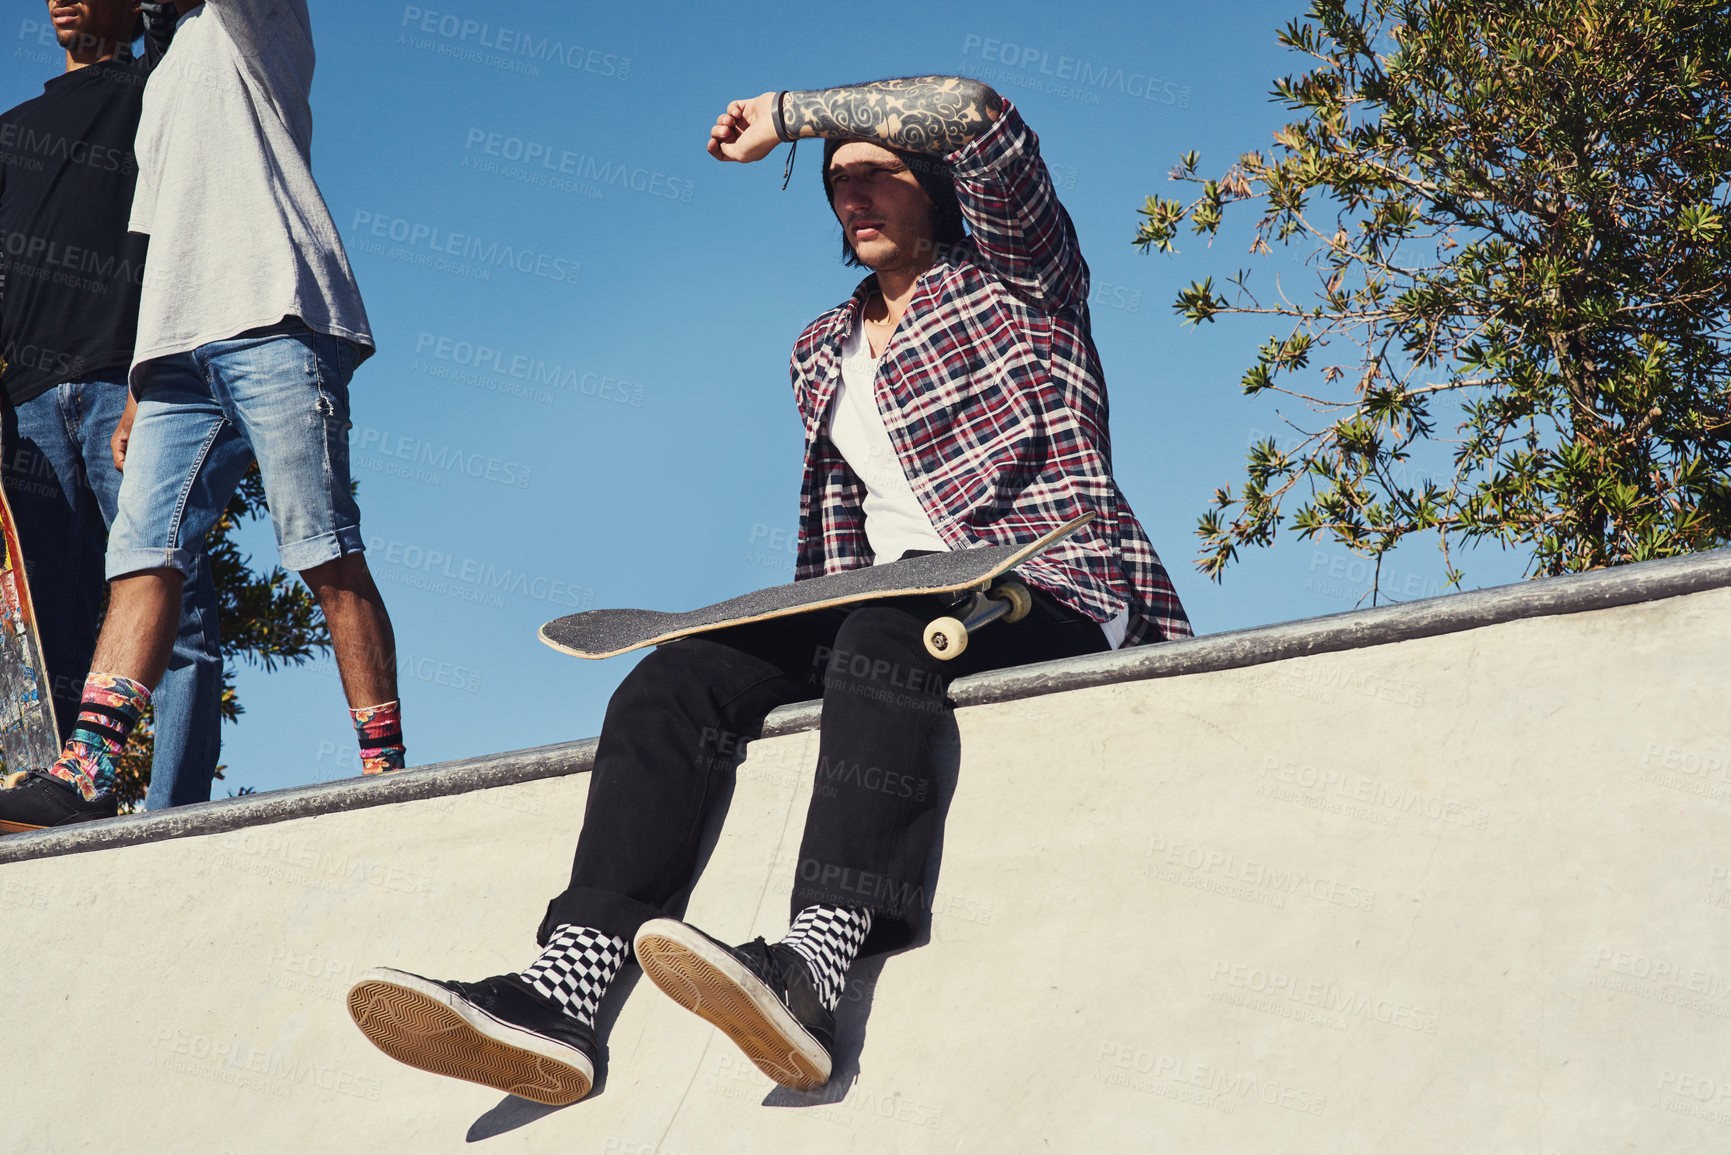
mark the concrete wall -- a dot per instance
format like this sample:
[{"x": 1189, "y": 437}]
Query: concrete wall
[{"x": 1462, "y": 892}]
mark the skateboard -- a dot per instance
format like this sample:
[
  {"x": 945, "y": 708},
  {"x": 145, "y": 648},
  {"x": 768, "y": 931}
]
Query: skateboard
[
  {"x": 29, "y": 739},
  {"x": 974, "y": 582}
]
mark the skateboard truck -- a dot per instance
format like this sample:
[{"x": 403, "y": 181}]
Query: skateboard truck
[{"x": 948, "y": 636}]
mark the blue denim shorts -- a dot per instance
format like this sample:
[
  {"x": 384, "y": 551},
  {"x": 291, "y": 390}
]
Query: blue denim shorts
[{"x": 279, "y": 396}]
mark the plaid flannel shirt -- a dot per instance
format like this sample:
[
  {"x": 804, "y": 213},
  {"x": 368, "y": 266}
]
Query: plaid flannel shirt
[{"x": 994, "y": 399}]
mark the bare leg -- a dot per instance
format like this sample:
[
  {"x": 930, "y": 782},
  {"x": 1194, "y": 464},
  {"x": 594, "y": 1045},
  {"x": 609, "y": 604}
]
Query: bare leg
[
  {"x": 136, "y": 642},
  {"x": 366, "y": 648},
  {"x": 138, "y": 631}
]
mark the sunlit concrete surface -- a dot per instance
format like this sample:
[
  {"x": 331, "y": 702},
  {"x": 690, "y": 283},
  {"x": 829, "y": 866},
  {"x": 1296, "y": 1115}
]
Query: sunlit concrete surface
[{"x": 1463, "y": 892}]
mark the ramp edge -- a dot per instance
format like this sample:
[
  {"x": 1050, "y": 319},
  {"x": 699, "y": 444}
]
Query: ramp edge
[
  {"x": 1352, "y": 629},
  {"x": 224, "y": 814}
]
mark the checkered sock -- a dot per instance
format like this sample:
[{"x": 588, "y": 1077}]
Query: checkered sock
[
  {"x": 110, "y": 710},
  {"x": 576, "y": 967},
  {"x": 827, "y": 938},
  {"x": 380, "y": 730}
]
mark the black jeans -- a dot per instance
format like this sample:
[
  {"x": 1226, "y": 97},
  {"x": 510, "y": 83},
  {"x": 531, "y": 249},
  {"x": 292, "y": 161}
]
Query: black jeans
[{"x": 666, "y": 757}]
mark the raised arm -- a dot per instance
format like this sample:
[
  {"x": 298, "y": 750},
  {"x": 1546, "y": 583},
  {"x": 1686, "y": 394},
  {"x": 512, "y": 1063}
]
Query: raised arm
[
  {"x": 1020, "y": 230},
  {"x": 935, "y": 114},
  {"x": 281, "y": 29}
]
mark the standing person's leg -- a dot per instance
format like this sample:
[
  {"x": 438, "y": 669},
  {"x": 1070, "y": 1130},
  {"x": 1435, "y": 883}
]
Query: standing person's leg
[
  {"x": 62, "y": 531},
  {"x": 287, "y": 389},
  {"x": 668, "y": 747},
  {"x": 186, "y": 459},
  {"x": 870, "y": 829},
  {"x": 366, "y": 654},
  {"x": 187, "y": 703}
]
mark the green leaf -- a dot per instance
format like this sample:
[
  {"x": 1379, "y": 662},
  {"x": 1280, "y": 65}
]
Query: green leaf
[{"x": 1516, "y": 215}]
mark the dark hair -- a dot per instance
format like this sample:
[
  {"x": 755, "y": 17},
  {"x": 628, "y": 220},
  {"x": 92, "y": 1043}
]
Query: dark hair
[{"x": 935, "y": 178}]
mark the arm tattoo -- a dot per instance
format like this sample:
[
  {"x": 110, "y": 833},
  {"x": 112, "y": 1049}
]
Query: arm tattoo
[{"x": 935, "y": 114}]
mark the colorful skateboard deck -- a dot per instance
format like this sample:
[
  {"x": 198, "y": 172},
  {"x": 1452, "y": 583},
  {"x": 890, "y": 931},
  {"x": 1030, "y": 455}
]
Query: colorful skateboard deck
[
  {"x": 606, "y": 633},
  {"x": 28, "y": 737}
]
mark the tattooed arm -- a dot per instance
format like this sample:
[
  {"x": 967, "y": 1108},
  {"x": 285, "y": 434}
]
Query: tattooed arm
[
  {"x": 921, "y": 114},
  {"x": 937, "y": 114}
]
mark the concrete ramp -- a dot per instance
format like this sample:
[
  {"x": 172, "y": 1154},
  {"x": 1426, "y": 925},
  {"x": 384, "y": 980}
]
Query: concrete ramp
[{"x": 1446, "y": 877}]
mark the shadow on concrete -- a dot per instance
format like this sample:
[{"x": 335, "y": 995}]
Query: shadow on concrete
[{"x": 511, "y": 1112}]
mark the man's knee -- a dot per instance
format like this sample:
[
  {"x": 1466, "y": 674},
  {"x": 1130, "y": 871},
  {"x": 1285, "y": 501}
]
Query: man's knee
[
  {"x": 145, "y": 583},
  {"x": 674, "y": 671},
  {"x": 347, "y": 573},
  {"x": 873, "y": 637},
  {"x": 874, "y": 623}
]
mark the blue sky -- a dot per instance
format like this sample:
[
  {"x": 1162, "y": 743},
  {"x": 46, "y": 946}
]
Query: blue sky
[{"x": 614, "y": 426}]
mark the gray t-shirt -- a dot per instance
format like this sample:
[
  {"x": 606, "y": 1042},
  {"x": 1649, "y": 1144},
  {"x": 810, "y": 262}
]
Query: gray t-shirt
[{"x": 239, "y": 234}]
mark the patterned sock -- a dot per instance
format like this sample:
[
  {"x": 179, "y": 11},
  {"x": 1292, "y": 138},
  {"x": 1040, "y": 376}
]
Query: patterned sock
[
  {"x": 827, "y": 938},
  {"x": 380, "y": 729},
  {"x": 576, "y": 967},
  {"x": 110, "y": 710}
]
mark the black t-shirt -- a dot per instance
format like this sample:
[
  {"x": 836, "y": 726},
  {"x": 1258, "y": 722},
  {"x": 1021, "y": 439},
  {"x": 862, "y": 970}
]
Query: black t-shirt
[{"x": 70, "y": 273}]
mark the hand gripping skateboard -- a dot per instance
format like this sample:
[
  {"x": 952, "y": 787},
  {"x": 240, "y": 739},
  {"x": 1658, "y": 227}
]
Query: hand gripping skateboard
[
  {"x": 28, "y": 737},
  {"x": 972, "y": 579}
]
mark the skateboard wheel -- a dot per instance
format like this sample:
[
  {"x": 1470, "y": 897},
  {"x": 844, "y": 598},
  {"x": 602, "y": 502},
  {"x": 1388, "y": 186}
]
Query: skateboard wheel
[
  {"x": 1014, "y": 592},
  {"x": 945, "y": 638}
]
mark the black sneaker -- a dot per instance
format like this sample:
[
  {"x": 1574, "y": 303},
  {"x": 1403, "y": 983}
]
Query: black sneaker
[
  {"x": 499, "y": 1032},
  {"x": 41, "y": 800},
  {"x": 760, "y": 995}
]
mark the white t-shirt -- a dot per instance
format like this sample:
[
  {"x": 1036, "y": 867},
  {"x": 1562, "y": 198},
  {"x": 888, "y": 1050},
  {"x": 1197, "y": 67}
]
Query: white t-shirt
[
  {"x": 240, "y": 236},
  {"x": 895, "y": 521}
]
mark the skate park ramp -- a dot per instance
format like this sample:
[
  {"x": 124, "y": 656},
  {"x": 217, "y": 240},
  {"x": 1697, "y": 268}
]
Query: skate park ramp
[{"x": 1447, "y": 876}]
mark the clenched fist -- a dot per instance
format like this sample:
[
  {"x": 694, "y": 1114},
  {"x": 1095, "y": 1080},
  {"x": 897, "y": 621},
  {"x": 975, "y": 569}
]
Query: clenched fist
[{"x": 746, "y": 131}]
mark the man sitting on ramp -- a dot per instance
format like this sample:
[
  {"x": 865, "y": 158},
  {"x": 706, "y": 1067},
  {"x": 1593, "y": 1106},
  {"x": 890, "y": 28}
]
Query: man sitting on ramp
[{"x": 955, "y": 400}]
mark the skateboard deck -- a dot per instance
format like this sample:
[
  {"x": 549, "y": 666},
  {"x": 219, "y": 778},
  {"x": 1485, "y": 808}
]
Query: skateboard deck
[
  {"x": 606, "y": 633},
  {"x": 28, "y": 737}
]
